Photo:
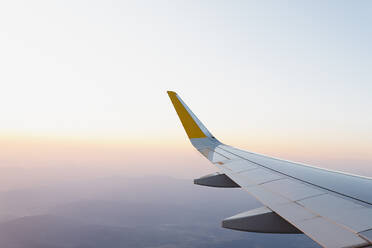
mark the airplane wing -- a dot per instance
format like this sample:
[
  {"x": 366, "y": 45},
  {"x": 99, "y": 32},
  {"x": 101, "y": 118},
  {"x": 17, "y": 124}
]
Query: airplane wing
[{"x": 332, "y": 208}]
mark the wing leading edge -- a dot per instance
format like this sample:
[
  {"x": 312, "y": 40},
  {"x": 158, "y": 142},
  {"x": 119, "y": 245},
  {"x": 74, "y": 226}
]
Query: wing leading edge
[{"x": 332, "y": 208}]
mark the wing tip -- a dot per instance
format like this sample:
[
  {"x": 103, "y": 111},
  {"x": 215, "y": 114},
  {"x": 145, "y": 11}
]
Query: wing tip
[
  {"x": 189, "y": 121},
  {"x": 170, "y": 92}
]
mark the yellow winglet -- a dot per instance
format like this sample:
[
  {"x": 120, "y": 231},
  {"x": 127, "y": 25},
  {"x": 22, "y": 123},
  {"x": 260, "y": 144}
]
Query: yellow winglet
[{"x": 189, "y": 124}]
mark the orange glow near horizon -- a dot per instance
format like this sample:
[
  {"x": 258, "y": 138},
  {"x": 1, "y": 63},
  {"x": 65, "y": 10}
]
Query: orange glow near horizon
[{"x": 170, "y": 156}]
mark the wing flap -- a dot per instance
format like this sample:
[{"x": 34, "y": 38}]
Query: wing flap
[
  {"x": 350, "y": 214},
  {"x": 257, "y": 176},
  {"x": 330, "y": 235},
  {"x": 238, "y": 166},
  {"x": 292, "y": 189}
]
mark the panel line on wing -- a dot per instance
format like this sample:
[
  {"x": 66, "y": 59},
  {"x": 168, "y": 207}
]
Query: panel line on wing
[
  {"x": 277, "y": 179},
  {"x": 308, "y": 197}
]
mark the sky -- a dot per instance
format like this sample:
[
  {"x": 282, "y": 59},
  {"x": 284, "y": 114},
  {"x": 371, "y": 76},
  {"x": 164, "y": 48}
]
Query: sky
[{"x": 83, "y": 83}]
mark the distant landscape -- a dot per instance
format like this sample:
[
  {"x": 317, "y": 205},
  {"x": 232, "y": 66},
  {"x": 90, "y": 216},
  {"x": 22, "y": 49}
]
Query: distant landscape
[{"x": 119, "y": 211}]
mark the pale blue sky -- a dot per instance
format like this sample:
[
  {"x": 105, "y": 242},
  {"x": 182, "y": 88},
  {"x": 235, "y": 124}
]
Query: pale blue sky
[{"x": 267, "y": 75}]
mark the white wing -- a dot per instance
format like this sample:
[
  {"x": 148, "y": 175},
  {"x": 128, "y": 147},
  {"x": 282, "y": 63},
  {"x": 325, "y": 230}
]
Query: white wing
[{"x": 332, "y": 208}]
